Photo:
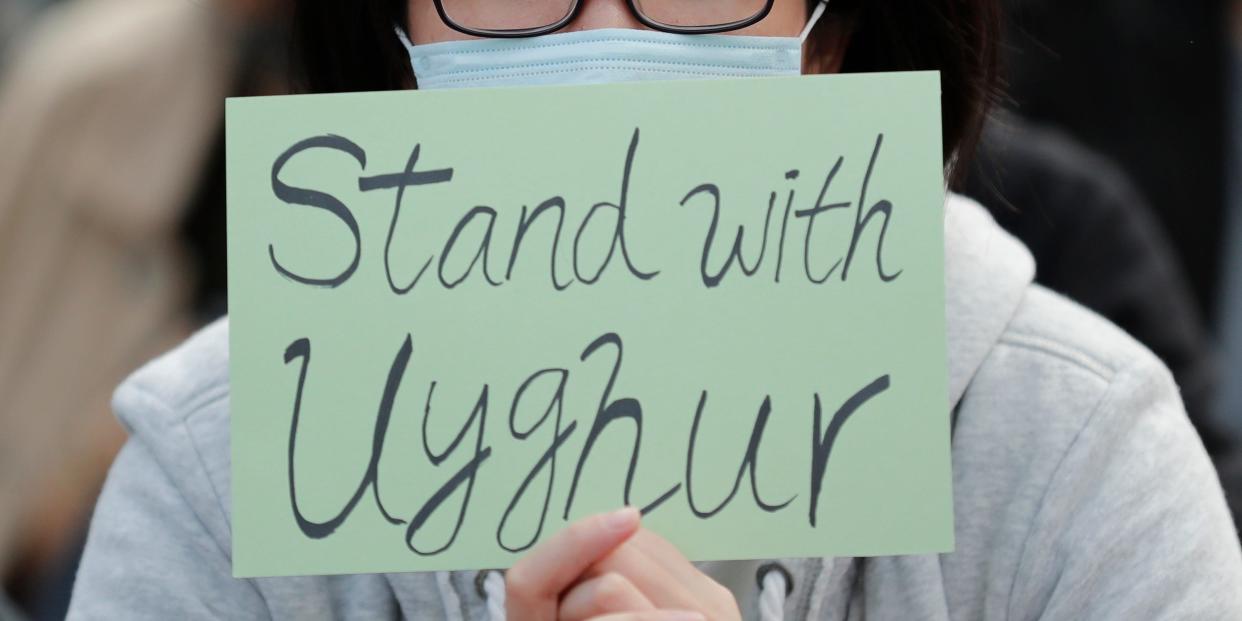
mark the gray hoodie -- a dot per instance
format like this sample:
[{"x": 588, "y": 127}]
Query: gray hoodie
[{"x": 1080, "y": 489}]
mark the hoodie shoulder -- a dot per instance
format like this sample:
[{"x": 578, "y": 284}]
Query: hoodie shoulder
[
  {"x": 1096, "y": 486},
  {"x": 1052, "y": 326},
  {"x": 181, "y": 382},
  {"x": 1078, "y": 479},
  {"x": 998, "y": 319},
  {"x": 177, "y": 408}
]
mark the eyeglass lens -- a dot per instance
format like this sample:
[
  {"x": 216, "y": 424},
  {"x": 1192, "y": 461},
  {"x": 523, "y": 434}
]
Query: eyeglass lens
[
  {"x": 500, "y": 15},
  {"x": 509, "y": 15},
  {"x": 694, "y": 13}
]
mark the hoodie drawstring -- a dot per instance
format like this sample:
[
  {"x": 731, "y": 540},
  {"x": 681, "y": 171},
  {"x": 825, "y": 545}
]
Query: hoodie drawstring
[
  {"x": 775, "y": 584},
  {"x": 490, "y": 585}
]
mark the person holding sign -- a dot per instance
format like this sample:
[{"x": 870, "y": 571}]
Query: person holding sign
[{"x": 276, "y": 447}]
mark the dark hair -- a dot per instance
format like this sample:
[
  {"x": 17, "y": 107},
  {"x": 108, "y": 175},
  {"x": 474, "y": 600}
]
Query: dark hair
[{"x": 350, "y": 46}]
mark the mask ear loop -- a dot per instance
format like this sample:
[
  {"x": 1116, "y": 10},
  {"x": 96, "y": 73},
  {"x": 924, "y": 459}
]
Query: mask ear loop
[
  {"x": 816, "y": 13},
  {"x": 405, "y": 39}
]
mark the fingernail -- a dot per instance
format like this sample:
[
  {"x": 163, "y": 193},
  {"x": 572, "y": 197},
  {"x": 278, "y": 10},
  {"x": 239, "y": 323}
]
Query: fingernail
[{"x": 621, "y": 519}]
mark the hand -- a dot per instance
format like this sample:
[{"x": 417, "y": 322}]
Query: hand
[
  {"x": 646, "y": 572},
  {"x": 605, "y": 568}
]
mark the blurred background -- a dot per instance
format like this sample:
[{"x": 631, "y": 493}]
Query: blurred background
[{"x": 1116, "y": 156}]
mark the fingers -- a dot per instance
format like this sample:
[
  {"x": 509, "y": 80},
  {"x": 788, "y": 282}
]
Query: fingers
[
  {"x": 654, "y": 615},
  {"x": 655, "y": 578},
  {"x": 610, "y": 593},
  {"x": 666, "y": 578},
  {"x": 533, "y": 585},
  {"x": 666, "y": 555}
]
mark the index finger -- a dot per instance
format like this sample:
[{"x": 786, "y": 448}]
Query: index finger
[{"x": 552, "y": 566}]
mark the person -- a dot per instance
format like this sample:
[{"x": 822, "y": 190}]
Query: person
[
  {"x": 99, "y": 273},
  {"x": 90, "y": 266},
  {"x": 1081, "y": 490}
]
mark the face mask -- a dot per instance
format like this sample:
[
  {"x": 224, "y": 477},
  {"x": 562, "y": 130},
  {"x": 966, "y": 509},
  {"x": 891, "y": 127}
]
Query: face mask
[{"x": 604, "y": 56}]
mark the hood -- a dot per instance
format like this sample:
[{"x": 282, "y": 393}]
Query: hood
[{"x": 986, "y": 275}]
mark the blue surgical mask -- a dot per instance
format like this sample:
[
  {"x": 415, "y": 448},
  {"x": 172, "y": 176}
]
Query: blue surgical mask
[{"x": 604, "y": 56}]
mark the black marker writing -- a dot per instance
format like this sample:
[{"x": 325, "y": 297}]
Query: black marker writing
[
  {"x": 821, "y": 445},
  {"x": 466, "y": 474},
  {"x": 547, "y": 459},
  {"x": 301, "y": 348},
  {"x": 320, "y": 200},
  {"x": 749, "y": 462},
  {"x": 618, "y": 234},
  {"x": 712, "y": 280}
]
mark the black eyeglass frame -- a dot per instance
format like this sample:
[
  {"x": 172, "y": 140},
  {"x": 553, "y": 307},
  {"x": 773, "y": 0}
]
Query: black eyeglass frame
[{"x": 517, "y": 33}]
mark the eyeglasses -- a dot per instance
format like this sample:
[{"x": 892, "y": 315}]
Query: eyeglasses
[{"x": 529, "y": 18}]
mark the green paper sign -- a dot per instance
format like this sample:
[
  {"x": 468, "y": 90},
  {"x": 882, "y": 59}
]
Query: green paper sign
[{"x": 461, "y": 319}]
